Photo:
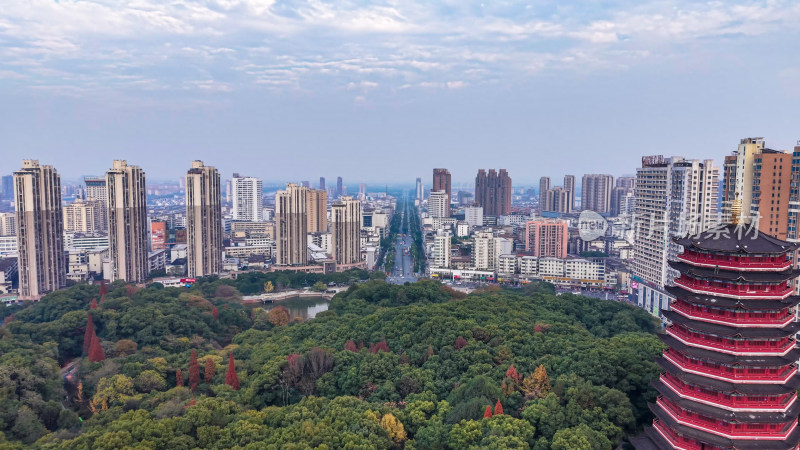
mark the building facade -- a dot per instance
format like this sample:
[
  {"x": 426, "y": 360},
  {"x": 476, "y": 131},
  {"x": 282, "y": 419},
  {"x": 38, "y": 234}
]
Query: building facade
[
  {"x": 547, "y": 238},
  {"x": 40, "y": 228},
  {"x": 596, "y": 192},
  {"x": 291, "y": 226},
  {"x": 438, "y": 205},
  {"x": 203, "y": 220},
  {"x": 493, "y": 192},
  {"x": 127, "y": 220},
  {"x": 317, "y": 210},
  {"x": 441, "y": 182},
  {"x": 248, "y": 198},
  {"x": 346, "y": 230}
]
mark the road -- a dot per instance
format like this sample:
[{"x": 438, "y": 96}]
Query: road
[{"x": 403, "y": 270}]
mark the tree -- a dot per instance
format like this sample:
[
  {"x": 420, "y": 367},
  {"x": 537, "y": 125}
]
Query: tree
[
  {"x": 210, "y": 369},
  {"x": 194, "y": 371},
  {"x": 498, "y": 408},
  {"x": 394, "y": 427},
  {"x": 125, "y": 347},
  {"x": 103, "y": 291},
  {"x": 268, "y": 287},
  {"x": 231, "y": 379},
  {"x": 149, "y": 380},
  {"x": 278, "y": 316},
  {"x": 319, "y": 286},
  {"x": 460, "y": 343},
  {"x": 488, "y": 412},
  {"x": 350, "y": 346},
  {"x": 178, "y": 378},
  {"x": 381, "y": 346},
  {"x": 512, "y": 374},
  {"x": 93, "y": 305},
  {"x": 537, "y": 384},
  {"x": 88, "y": 333},
  {"x": 215, "y": 312},
  {"x": 95, "y": 349}
]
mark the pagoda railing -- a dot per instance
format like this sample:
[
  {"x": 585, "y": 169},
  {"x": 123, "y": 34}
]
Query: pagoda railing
[
  {"x": 677, "y": 440},
  {"x": 755, "y": 263},
  {"x": 776, "y": 319},
  {"x": 767, "y": 291},
  {"x": 725, "y": 345},
  {"x": 752, "y": 375},
  {"x": 748, "y": 403},
  {"x": 776, "y": 431}
]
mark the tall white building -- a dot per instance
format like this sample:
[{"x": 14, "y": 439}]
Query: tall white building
[
  {"x": 128, "y": 233},
  {"x": 441, "y": 249},
  {"x": 203, "y": 220},
  {"x": 473, "y": 215},
  {"x": 673, "y": 197},
  {"x": 420, "y": 190},
  {"x": 8, "y": 224},
  {"x": 248, "y": 198},
  {"x": 439, "y": 204},
  {"x": 486, "y": 250},
  {"x": 96, "y": 191}
]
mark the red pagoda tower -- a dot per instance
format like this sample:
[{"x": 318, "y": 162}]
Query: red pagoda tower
[{"x": 729, "y": 378}]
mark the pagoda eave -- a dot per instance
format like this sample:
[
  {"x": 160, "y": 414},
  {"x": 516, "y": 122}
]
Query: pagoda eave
[{"x": 730, "y": 331}]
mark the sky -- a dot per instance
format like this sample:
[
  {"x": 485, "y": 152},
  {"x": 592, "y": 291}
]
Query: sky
[{"x": 382, "y": 92}]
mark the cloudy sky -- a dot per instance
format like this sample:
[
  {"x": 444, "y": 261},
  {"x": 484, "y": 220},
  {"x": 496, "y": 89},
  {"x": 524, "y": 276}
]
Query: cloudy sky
[{"x": 385, "y": 91}]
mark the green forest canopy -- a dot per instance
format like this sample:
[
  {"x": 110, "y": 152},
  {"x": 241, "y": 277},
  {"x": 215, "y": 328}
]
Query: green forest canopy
[{"x": 388, "y": 366}]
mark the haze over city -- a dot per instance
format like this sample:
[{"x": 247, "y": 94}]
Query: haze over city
[{"x": 292, "y": 90}]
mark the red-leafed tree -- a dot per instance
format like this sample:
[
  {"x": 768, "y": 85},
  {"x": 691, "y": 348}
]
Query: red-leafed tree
[
  {"x": 194, "y": 371},
  {"x": 215, "y": 312},
  {"x": 231, "y": 379},
  {"x": 498, "y": 408},
  {"x": 460, "y": 343},
  {"x": 96, "y": 350},
  {"x": 351, "y": 346},
  {"x": 93, "y": 305},
  {"x": 103, "y": 291},
  {"x": 87, "y": 335},
  {"x": 8, "y": 319},
  {"x": 488, "y": 412},
  {"x": 381, "y": 346},
  {"x": 211, "y": 368},
  {"x": 513, "y": 374},
  {"x": 191, "y": 403},
  {"x": 178, "y": 378},
  {"x": 131, "y": 290}
]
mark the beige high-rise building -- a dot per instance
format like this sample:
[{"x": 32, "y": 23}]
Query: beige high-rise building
[
  {"x": 127, "y": 220},
  {"x": 8, "y": 224},
  {"x": 346, "y": 230},
  {"x": 596, "y": 192},
  {"x": 317, "y": 210},
  {"x": 96, "y": 190},
  {"x": 40, "y": 229},
  {"x": 438, "y": 205},
  {"x": 291, "y": 226},
  {"x": 203, "y": 220},
  {"x": 569, "y": 186},
  {"x": 84, "y": 216}
]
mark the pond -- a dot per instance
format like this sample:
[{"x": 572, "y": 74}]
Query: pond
[{"x": 303, "y": 307}]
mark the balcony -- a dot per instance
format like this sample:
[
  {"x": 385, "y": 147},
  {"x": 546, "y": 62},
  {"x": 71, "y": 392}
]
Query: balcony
[
  {"x": 755, "y": 376},
  {"x": 732, "y": 346},
  {"x": 746, "y": 263},
  {"x": 765, "y": 431},
  {"x": 732, "y": 403},
  {"x": 728, "y": 317},
  {"x": 743, "y": 291}
]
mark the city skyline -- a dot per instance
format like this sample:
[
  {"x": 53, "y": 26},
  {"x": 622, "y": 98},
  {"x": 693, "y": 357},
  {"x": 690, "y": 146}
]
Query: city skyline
[{"x": 249, "y": 85}]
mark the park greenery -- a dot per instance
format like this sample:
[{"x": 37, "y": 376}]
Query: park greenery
[{"x": 387, "y": 366}]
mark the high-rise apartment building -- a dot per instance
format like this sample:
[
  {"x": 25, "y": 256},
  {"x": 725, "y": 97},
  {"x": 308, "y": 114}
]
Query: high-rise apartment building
[
  {"x": 557, "y": 199},
  {"x": 569, "y": 186},
  {"x": 473, "y": 215},
  {"x": 493, "y": 192},
  {"x": 158, "y": 235},
  {"x": 339, "y": 187},
  {"x": 596, "y": 192},
  {"x": 317, "y": 210},
  {"x": 673, "y": 197},
  {"x": 321, "y": 183},
  {"x": 248, "y": 198},
  {"x": 8, "y": 223},
  {"x": 203, "y": 220},
  {"x": 7, "y": 187},
  {"x": 547, "y": 238},
  {"x": 544, "y": 186},
  {"x": 420, "y": 190},
  {"x": 441, "y": 182},
  {"x": 346, "y": 230},
  {"x": 228, "y": 191},
  {"x": 438, "y": 205},
  {"x": 487, "y": 248},
  {"x": 738, "y": 177},
  {"x": 40, "y": 228},
  {"x": 85, "y": 216},
  {"x": 622, "y": 194},
  {"x": 291, "y": 226},
  {"x": 95, "y": 188},
  {"x": 441, "y": 249},
  {"x": 127, "y": 223}
]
